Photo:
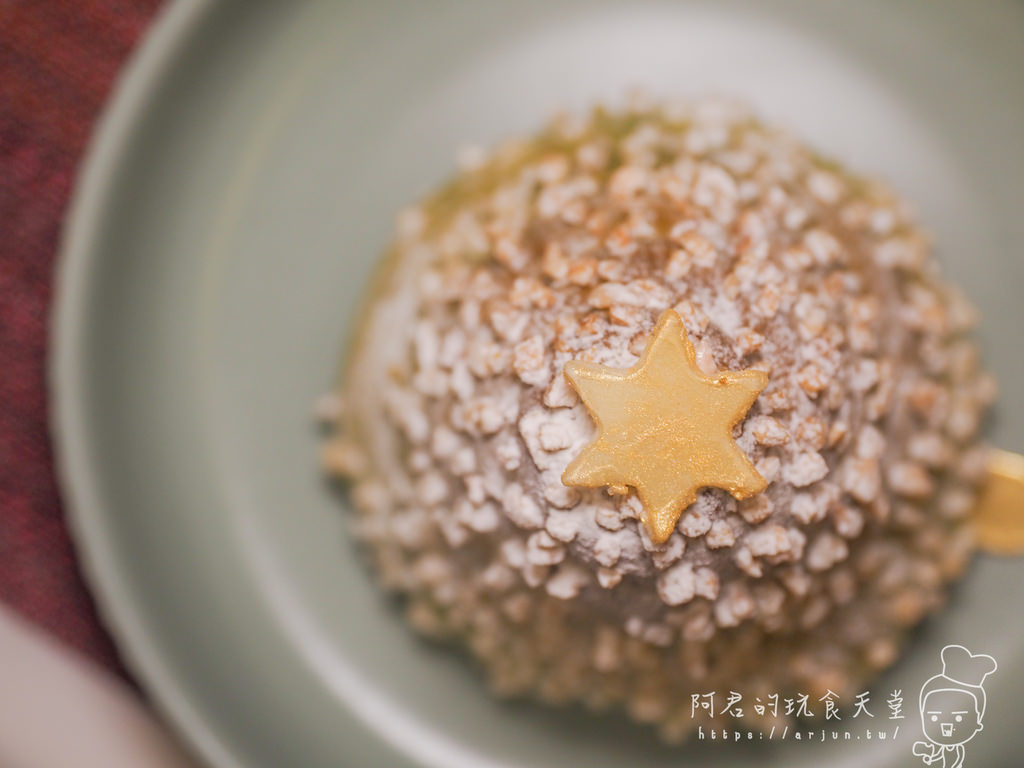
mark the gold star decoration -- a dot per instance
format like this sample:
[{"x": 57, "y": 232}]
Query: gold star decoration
[{"x": 665, "y": 428}]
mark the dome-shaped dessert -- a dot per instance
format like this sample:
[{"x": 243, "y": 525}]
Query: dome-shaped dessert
[{"x": 752, "y": 330}]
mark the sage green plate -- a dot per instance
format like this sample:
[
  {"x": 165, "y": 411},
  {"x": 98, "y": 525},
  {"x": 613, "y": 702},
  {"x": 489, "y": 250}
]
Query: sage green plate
[{"x": 240, "y": 189}]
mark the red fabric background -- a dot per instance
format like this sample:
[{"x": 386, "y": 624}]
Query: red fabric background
[{"x": 58, "y": 61}]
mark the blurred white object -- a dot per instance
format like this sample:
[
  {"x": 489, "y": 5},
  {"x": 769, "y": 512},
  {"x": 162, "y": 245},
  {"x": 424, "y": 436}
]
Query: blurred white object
[{"x": 57, "y": 709}]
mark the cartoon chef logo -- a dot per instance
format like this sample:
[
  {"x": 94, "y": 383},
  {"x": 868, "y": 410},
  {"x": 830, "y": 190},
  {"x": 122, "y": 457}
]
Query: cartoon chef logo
[{"x": 952, "y": 706}]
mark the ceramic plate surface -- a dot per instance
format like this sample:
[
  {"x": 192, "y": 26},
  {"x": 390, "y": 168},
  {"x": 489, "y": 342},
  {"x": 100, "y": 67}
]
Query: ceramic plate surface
[{"x": 242, "y": 185}]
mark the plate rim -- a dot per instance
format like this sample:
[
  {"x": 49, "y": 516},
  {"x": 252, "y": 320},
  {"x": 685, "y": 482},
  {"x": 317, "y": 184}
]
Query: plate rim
[{"x": 153, "y": 58}]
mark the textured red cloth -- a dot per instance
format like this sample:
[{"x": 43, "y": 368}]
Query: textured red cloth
[{"x": 58, "y": 60}]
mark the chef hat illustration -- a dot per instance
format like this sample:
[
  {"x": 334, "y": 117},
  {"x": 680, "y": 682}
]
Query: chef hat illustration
[{"x": 962, "y": 670}]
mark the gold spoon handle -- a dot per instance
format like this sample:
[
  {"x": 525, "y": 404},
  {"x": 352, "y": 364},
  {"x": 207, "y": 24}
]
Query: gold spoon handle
[{"x": 999, "y": 515}]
